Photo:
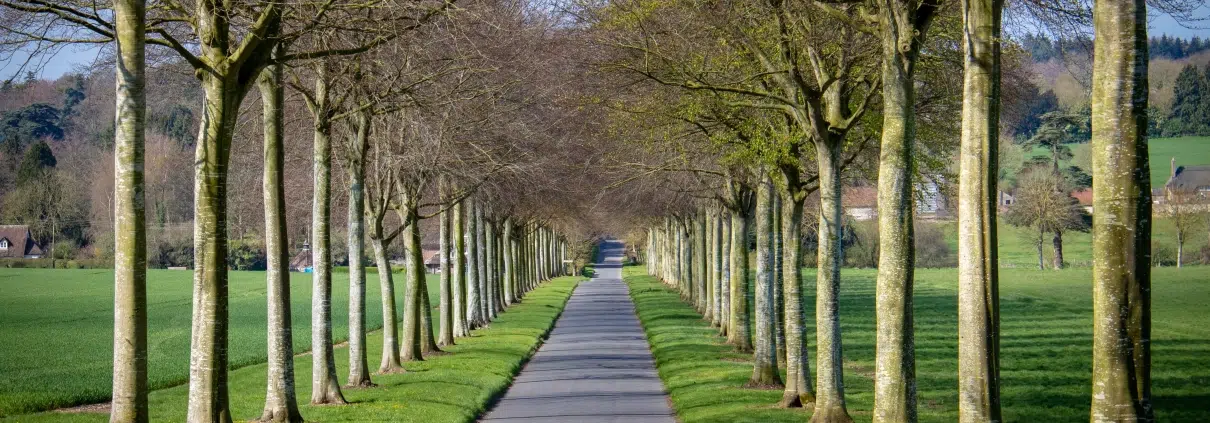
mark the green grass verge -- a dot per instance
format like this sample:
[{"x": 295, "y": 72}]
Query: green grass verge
[
  {"x": 1046, "y": 348},
  {"x": 446, "y": 388},
  {"x": 58, "y": 327}
]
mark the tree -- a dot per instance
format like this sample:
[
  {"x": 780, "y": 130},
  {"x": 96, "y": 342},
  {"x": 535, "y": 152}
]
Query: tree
[
  {"x": 1186, "y": 211},
  {"x": 903, "y": 25},
  {"x": 27, "y": 125},
  {"x": 978, "y": 266},
  {"x": 129, "y": 402},
  {"x": 1043, "y": 203},
  {"x": 281, "y": 402},
  {"x": 1053, "y": 135},
  {"x": 1188, "y": 116},
  {"x": 1121, "y": 226}
]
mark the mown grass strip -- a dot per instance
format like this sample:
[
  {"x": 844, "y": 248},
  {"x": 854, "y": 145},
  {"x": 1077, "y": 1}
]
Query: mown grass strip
[
  {"x": 704, "y": 377},
  {"x": 455, "y": 387}
]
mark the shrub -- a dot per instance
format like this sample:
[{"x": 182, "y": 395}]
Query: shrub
[
  {"x": 931, "y": 248},
  {"x": 1162, "y": 254},
  {"x": 246, "y": 254},
  {"x": 171, "y": 252},
  {"x": 861, "y": 246}
]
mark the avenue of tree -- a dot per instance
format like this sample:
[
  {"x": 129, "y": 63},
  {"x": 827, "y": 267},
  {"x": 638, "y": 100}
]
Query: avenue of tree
[{"x": 722, "y": 131}]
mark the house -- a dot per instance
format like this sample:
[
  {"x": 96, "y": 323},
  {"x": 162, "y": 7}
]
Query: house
[
  {"x": 1004, "y": 200},
  {"x": 16, "y": 242},
  {"x": 1084, "y": 197},
  {"x": 301, "y": 262},
  {"x": 1188, "y": 180},
  {"x": 860, "y": 202},
  {"x": 432, "y": 261}
]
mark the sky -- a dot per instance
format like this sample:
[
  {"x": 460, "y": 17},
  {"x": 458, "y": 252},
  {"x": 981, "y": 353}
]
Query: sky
[{"x": 71, "y": 58}]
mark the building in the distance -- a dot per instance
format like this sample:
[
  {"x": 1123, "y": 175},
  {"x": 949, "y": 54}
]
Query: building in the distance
[{"x": 16, "y": 242}]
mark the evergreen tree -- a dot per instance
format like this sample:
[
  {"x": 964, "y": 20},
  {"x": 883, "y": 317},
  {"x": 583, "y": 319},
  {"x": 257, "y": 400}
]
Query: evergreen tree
[{"x": 1189, "y": 106}]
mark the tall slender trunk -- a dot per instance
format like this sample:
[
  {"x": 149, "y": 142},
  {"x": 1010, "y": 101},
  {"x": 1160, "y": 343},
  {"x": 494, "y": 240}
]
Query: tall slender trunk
[
  {"x": 492, "y": 275},
  {"x": 390, "y": 317},
  {"x": 473, "y": 319},
  {"x": 716, "y": 267},
  {"x": 904, "y": 25},
  {"x": 130, "y": 240},
  {"x": 779, "y": 301},
  {"x": 208, "y": 394},
  {"x": 708, "y": 262},
  {"x": 764, "y": 369},
  {"x": 978, "y": 268},
  {"x": 830, "y": 403},
  {"x": 281, "y": 402},
  {"x": 700, "y": 267},
  {"x": 1180, "y": 249},
  {"x": 428, "y": 342},
  {"x": 481, "y": 265},
  {"x": 359, "y": 367},
  {"x": 510, "y": 279},
  {"x": 458, "y": 265},
  {"x": 799, "y": 392},
  {"x": 324, "y": 386},
  {"x": 739, "y": 333},
  {"x": 446, "y": 295},
  {"x": 411, "y": 342},
  {"x": 1121, "y": 226},
  {"x": 724, "y": 280},
  {"x": 1057, "y": 243}
]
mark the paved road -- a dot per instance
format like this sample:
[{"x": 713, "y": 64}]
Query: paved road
[{"x": 596, "y": 366}]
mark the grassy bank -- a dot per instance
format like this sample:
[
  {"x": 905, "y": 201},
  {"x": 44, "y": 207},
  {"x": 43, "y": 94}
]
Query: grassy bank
[{"x": 1046, "y": 348}]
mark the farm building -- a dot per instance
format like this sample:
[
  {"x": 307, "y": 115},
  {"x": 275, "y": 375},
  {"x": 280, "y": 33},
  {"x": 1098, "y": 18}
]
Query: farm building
[
  {"x": 432, "y": 261},
  {"x": 1188, "y": 179},
  {"x": 301, "y": 262},
  {"x": 16, "y": 242}
]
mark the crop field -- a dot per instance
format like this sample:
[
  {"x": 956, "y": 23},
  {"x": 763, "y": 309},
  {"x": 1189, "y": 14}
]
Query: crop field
[
  {"x": 1046, "y": 348},
  {"x": 57, "y": 327}
]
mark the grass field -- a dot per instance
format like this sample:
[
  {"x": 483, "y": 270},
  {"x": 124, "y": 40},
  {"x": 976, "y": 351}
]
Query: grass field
[
  {"x": 1017, "y": 249},
  {"x": 1045, "y": 348},
  {"x": 453, "y": 388},
  {"x": 1188, "y": 151},
  {"x": 58, "y": 330}
]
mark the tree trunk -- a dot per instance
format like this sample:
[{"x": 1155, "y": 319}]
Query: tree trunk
[
  {"x": 904, "y": 25},
  {"x": 510, "y": 279},
  {"x": 281, "y": 402},
  {"x": 458, "y": 265},
  {"x": 738, "y": 334},
  {"x": 446, "y": 308},
  {"x": 779, "y": 301},
  {"x": 130, "y": 235},
  {"x": 727, "y": 234},
  {"x": 473, "y": 319},
  {"x": 1057, "y": 242},
  {"x": 700, "y": 267},
  {"x": 830, "y": 403},
  {"x": 1180, "y": 248},
  {"x": 1041, "y": 254},
  {"x": 492, "y": 275},
  {"x": 390, "y": 318},
  {"x": 798, "y": 391},
  {"x": 716, "y": 268},
  {"x": 481, "y": 265},
  {"x": 978, "y": 266},
  {"x": 412, "y": 288},
  {"x": 764, "y": 369},
  {"x": 359, "y": 367},
  {"x": 708, "y": 275},
  {"x": 1121, "y": 226},
  {"x": 324, "y": 386},
  {"x": 428, "y": 342}
]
